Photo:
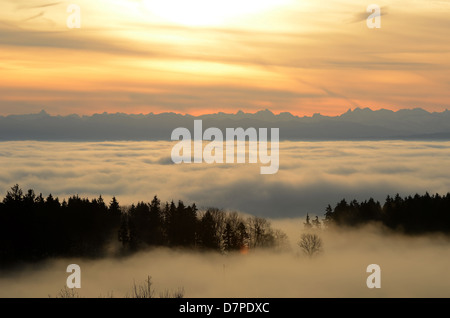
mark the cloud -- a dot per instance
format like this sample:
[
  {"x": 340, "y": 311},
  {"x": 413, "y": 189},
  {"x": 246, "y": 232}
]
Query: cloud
[
  {"x": 309, "y": 62},
  {"x": 40, "y": 14},
  {"x": 165, "y": 161},
  {"x": 410, "y": 267},
  {"x": 362, "y": 16},
  {"x": 311, "y": 176},
  {"x": 34, "y": 6}
]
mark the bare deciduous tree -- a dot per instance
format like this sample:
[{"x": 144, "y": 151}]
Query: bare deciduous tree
[{"x": 311, "y": 244}]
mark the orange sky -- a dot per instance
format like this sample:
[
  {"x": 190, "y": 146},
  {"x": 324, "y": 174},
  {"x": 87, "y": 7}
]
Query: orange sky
[{"x": 203, "y": 56}]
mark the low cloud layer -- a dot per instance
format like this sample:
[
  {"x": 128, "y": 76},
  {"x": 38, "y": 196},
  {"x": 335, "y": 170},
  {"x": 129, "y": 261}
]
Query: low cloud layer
[
  {"x": 311, "y": 176},
  {"x": 410, "y": 267}
]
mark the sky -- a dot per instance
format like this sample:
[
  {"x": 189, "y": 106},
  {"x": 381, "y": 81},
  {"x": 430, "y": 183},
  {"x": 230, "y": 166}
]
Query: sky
[{"x": 205, "y": 56}]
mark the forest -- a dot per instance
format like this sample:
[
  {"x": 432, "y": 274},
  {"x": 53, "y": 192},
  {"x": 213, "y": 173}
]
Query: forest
[
  {"x": 34, "y": 228},
  {"x": 418, "y": 214}
]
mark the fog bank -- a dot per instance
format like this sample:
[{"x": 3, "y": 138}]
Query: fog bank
[
  {"x": 410, "y": 267},
  {"x": 311, "y": 175}
]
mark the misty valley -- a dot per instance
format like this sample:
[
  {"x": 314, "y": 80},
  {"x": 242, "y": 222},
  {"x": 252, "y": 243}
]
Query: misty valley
[
  {"x": 35, "y": 229},
  {"x": 224, "y": 149},
  {"x": 138, "y": 225}
]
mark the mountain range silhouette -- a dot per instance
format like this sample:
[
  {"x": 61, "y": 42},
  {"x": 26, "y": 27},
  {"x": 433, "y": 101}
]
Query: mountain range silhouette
[{"x": 356, "y": 124}]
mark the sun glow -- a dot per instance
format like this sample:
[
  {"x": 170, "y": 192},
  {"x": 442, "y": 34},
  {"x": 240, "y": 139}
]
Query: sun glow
[{"x": 208, "y": 12}]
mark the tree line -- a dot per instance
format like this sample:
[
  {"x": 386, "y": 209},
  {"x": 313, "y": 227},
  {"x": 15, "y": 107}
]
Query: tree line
[
  {"x": 33, "y": 228},
  {"x": 418, "y": 214}
]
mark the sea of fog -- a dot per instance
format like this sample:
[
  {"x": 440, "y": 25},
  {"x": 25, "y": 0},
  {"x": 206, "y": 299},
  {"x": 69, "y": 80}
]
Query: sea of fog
[
  {"x": 410, "y": 267},
  {"x": 311, "y": 176}
]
